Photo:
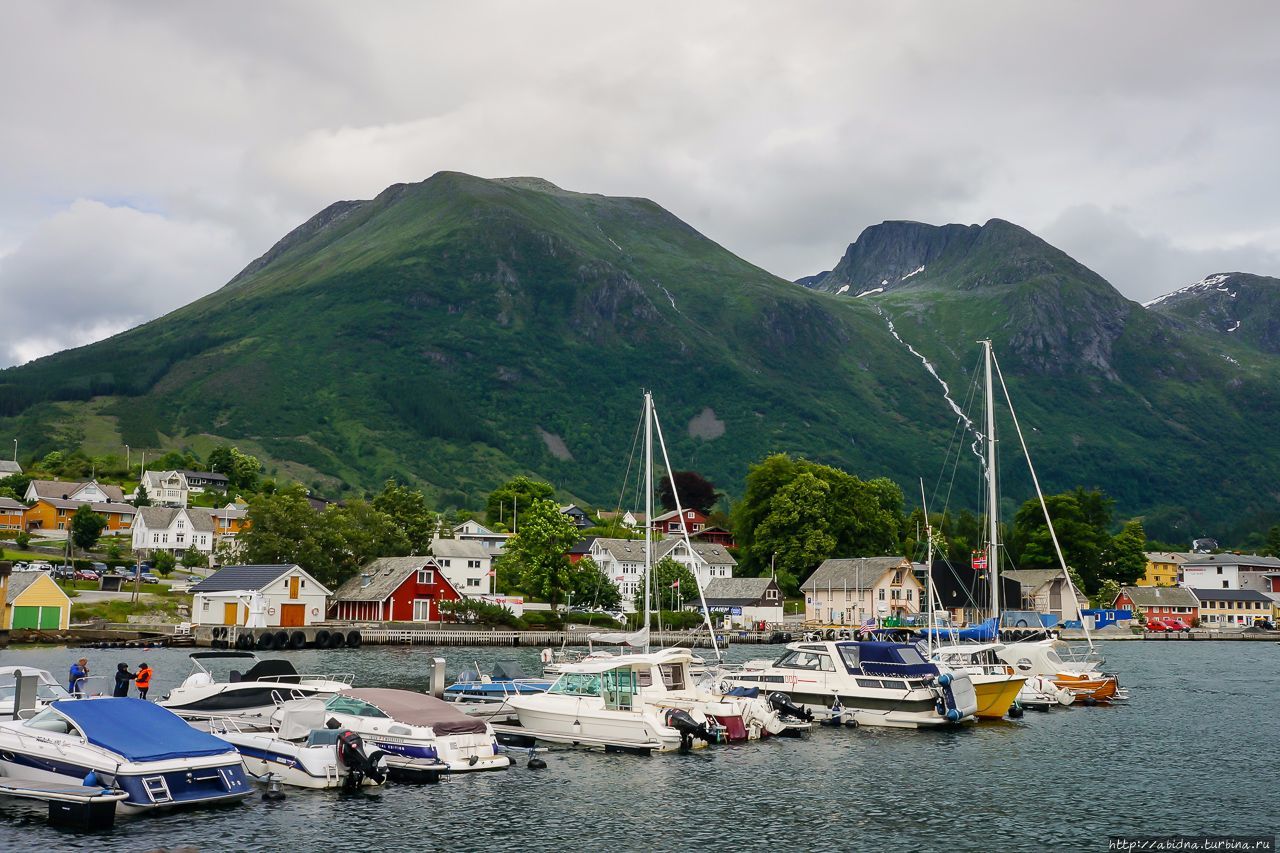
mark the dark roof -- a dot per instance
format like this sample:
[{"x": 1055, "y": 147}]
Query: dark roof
[
  {"x": 10, "y": 503},
  {"x": 739, "y": 591},
  {"x": 241, "y": 577},
  {"x": 1230, "y": 595},
  {"x": 162, "y": 518},
  {"x": 385, "y": 576},
  {"x": 206, "y": 475},
  {"x": 583, "y": 546},
  {"x": 1232, "y": 560},
  {"x": 960, "y": 586},
  {"x": 1159, "y": 596}
]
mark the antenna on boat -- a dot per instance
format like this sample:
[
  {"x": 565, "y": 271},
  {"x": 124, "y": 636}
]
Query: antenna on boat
[
  {"x": 1057, "y": 547},
  {"x": 675, "y": 494}
]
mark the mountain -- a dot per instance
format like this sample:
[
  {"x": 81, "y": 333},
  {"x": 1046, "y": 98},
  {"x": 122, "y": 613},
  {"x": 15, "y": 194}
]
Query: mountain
[
  {"x": 457, "y": 331},
  {"x": 1242, "y": 305}
]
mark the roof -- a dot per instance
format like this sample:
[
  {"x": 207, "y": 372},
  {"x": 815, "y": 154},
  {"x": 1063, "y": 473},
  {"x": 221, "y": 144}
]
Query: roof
[
  {"x": 206, "y": 475},
  {"x": 465, "y": 548},
  {"x": 10, "y": 503},
  {"x": 162, "y": 518},
  {"x": 1230, "y": 595},
  {"x": 583, "y": 546},
  {"x": 228, "y": 512},
  {"x": 674, "y": 513},
  {"x": 737, "y": 591},
  {"x": 152, "y": 479},
  {"x": 853, "y": 573},
  {"x": 1232, "y": 560},
  {"x": 712, "y": 553},
  {"x": 119, "y": 508},
  {"x": 139, "y": 730},
  {"x": 608, "y": 515},
  {"x": 624, "y": 550},
  {"x": 58, "y": 488},
  {"x": 1159, "y": 596},
  {"x": 242, "y": 577},
  {"x": 1170, "y": 556},
  {"x": 385, "y": 576},
  {"x": 20, "y": 581},
  {"x": 1032, "y": 579},
  {"x": 8, "y": 466}
]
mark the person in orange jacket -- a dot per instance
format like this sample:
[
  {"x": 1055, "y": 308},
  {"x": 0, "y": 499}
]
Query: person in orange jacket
[{"x": 143, "y": 680}]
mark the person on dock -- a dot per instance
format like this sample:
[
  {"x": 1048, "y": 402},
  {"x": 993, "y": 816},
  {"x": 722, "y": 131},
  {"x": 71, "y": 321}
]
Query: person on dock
[
  {"x": 79, "y": 672},
  {"x": 123, "y": 677},
  {"x": 143, "y": 680}
]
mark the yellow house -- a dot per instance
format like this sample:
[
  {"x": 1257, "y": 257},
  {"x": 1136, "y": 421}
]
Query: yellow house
[
  {"x": 33, "y": 600},
  {"x": 12, "y": 514},
  {"x": 1164, "y": 568},
  {"x": 856, "y": 590}
]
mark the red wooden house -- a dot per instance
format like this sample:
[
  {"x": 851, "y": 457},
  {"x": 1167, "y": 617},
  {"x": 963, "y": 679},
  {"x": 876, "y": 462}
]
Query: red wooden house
[
  {"x": 394, "y": 589},
  {"x": 1165, "y": 603},
  {"x": 718, "y": 535},
  {"x": 670, "y": 523}
]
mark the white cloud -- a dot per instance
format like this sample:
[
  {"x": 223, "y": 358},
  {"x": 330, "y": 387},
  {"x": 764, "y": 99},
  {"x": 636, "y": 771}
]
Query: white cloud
[{"x": 779, "y": 130}]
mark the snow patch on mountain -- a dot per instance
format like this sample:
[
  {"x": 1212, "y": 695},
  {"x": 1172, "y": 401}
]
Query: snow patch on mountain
[
  {"x": 1211, "y": 282},
  {"x": 843, "y": 289},
  {"x": 915, "y": 271},
  {"x": 869, "y": 292}
]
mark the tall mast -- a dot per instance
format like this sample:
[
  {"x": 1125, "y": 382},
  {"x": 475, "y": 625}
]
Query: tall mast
[
  {"x": 993, "y": 498},
  {"x": 928, "y": 570},
  {"x": 648, "y": 509}
]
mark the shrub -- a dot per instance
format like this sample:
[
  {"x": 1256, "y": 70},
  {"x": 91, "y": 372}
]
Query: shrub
[{"x": 22, "y": 540}]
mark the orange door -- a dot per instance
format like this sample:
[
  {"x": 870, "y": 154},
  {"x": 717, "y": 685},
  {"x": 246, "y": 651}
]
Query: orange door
[
  {"x": 293, "y": 586},
  {"x": 229, "y": 613},
  {"x": 293, "y": 615}
]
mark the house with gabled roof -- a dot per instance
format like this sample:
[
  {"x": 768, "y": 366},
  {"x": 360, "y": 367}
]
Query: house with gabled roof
[
  {"x": 1159, "y": 602},
  {"x": 33, "y": 600},
  {"x": 165, "y": 488},
  {"x": 394, "y": 589},
  {"x": 12, "y": 514},
  {"x": 291, "y": 597},
  {"x": 745, "y": 601},
  {"x": 578, "y": 515},
  {"x": 83, "y": 492},
  {"x": 622, "y": 560},
  {"x": 1220, "y": 607},
  {"x": 474, "y": 531},
  {"x": 855, "y": 590},
  {"x": 173, "y": 529},
  {"x": 1049, "y": 591},
  {"x": 9, "y": 468},
  {"x": 52, "y": 516},
  {"x": 466, "y": 563}
]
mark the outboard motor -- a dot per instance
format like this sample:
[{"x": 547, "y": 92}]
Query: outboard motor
[
  {"x": 782, "y": 703},
  {"x": 687, "y": 726},
  {"x": 360, "y": 766}
]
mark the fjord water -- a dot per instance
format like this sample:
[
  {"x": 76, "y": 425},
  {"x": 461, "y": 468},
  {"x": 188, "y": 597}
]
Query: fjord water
[{"x": 1195, "y": 751}]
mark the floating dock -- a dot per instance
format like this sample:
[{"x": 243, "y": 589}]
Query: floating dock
[{"x": 74, "y": 806}]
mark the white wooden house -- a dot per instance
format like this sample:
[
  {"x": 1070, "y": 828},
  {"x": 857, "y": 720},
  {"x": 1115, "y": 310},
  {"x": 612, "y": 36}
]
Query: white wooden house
[{"x": 292, "y": 598}]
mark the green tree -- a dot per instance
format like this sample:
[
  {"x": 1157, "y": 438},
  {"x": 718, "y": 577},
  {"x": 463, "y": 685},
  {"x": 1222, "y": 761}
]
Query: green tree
[
  {"x": 22, "y": 540},
  {"x": 192, "y": 558},
  {"x": 142, "y": 498},
  {"x": 666, "y": 574},
  {"x": 1081, "y": 519},
  {"x": 1126, "y": 559},
  {"x": 537, "y": 552},
  {"x": 86, "y": 527},
  {"x": 796, "y": 534},
  {"x": 164, "y": 562},
  {"x": 1273, "y": 541},
  {"x": 15, "y": 486},
  {"x": 694, "y": 491},
  {"x": 114, "y": 553},
  {"x": 366, "y": 533},
  {"x": 410, "y": 513},
  {"x": 592, "y": 587},
  {"x": 242, "y": 470},
  {"x": 520, "y": 491}
]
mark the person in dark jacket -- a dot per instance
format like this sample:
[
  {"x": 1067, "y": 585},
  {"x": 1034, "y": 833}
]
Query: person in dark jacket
[
  {"x": 123, "y": 677},
  {"x": 79, "y": 672},
  {"x": 143, "y": 680}
]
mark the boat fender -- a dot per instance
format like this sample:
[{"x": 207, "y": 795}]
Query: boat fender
[
  {"x": 273, "y": 792},
  {"x": 944, "y": 679},
  {"x": 91, "y": 780},
  {"x": 545, "y": 656},
  {"x": 1015, "y": 713},
  {"x": 953, "y": 715},
  {"x": 536, "y": 763},
  {"x": 353, "y": 639},
  {"x": 1090, "y": 701}
]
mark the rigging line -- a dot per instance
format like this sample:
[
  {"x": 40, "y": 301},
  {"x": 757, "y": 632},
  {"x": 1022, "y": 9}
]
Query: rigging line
[
  {"x": 1040, "y": 494},
  {"x": 968, "y": 405},
  {"x": 626, "y": 478}
]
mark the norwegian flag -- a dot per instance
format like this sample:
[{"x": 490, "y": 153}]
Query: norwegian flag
[
  {"x": 979, "y": 561},
  {"x": 492, "y": 573},
  {"x": 676, "y": 585}
]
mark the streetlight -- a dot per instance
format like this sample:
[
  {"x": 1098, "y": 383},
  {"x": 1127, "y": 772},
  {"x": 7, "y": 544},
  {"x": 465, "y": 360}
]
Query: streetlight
[{"x": 127, "y": 459}]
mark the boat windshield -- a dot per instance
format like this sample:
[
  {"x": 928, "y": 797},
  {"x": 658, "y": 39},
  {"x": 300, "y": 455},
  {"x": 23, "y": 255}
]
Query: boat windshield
[
  {"x": 45, "y": 691},
  {"x": 49, "y": 720},
  {"x": 806, "y": 660},
  {"x": 354, "y": 707},
  {"x": 577, "y": 684},
  {"x": 1052, "y": 657}
]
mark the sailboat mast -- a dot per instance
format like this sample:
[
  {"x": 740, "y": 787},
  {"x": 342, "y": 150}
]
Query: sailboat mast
[
  {"x": 648, "y": 510},
  {"x": 993, "y": 498},
  {"x": 928, "y": 570}
]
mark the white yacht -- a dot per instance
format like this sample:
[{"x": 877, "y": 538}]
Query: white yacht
[
  {"x": 47, "y": 687},
  {"x": 254, "y": 692},
  {"x": 126, "y": 744},
  {"x": 416, "y": 731},
  {"x": 641, "y": 702},
  {"x": 873, "y": 683},
  {"x": 298, "y": 749}
]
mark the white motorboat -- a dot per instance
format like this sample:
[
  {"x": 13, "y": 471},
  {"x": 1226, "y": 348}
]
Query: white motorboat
[
  {"x": 300, "y": 750},
  {"x": 416, "y": 731},
  {"x": 1081, "y": 677},
  {"x": 634, "y": 702},
  {"x": 254, "y": 692},
  {"x": 126, "y": 744},
  {"x": 47, "y": 688},
  {"x": 872, "y": 682}
]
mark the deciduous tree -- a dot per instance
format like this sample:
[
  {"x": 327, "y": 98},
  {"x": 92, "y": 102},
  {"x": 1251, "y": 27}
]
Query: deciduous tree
[
  {"x": 694, "y": 490},
  {"x": 86, "y": 527},
  {"x": 537, "y": 552},
  {"x": 520, "y": 491}
]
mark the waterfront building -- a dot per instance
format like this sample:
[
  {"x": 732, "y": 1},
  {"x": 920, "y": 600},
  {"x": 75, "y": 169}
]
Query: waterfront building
[
  {"x": 745, "y": 601},
  {"x": 12, "y": 514},
  {"x": 1229, "y": 571},
  {"x": 33, "y": 600},
  {"x": 1159, "y": 602},
  {"x": 1231, "y": 606},
  {"x": 853, "y": 591},
  {"x": 394, "y": 589},
  {"x": 1048, "y": 591},
  {"x": 467, "y": 563},
  {"x": 1164, "y": 568},
  {"x": 289, "y": 596}
]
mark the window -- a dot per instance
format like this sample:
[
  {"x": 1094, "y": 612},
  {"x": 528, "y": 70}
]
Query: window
[
  {"x": 155, "y": 537},
  {"x": 181, "y": 524},
  {"x": 1224, "y": 584},
  {"x": 426, "y": 577},
  {"x": 445, "y": 563},
  {"x": 180, "y": 538},
  {"x": 897, "y": 577},
  {"x": 1219, "y": 569},
  {"x": 908, "y": 595},
  {"x": 422, "y": 609},
  {"x": 473, "y": 581},
  {"x": 473, "y": 564},
  {"x": 882, "y": 595}
]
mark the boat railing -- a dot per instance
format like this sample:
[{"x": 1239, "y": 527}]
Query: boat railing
[{"x": 347, "y": 678}]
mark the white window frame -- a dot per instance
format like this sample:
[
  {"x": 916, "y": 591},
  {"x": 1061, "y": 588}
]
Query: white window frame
[{"x": 426, "y": 577}]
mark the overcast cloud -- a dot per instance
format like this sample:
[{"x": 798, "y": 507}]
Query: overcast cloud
[{"x": 145, "y": 158}]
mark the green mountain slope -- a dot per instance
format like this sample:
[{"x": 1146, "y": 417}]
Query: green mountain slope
[
  {"x": 457, "y": 331},
  {"x": 1243, "y": 306}
]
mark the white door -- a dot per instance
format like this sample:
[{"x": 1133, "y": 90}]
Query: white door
[{"x": 422, "y": 610}]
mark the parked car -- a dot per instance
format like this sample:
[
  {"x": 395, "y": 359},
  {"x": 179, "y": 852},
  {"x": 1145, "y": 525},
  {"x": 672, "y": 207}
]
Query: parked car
[
  {"x": 40, "y": 566},
  {"x": 1159, "y": 626},
  {"x": 100, "y": 568},
  {"x": 86, "y": 575},
  {"x": 1177, "y": 625},
  {"x": 64, "y": 573},
  {"x": 148, "y": 577},
  {"x": 22, "y": 566}
]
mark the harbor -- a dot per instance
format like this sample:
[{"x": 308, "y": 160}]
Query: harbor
[{"x": 863, "y": 781}]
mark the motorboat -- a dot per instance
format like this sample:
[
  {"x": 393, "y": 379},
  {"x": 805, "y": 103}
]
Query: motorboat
[
  {"x": 254, "y": 692},
  {"x": 416, "y": 731},
  {"x": 127, "y": 744},
  {"x": 505, "y": 680},
  {"x": 47, "y": 688},
  {"x": 871, "y": 682},
  {"x": 995, "y": 683},
  {"x": 1080, "y": 677},
  {"x": 299, "y": 749}
]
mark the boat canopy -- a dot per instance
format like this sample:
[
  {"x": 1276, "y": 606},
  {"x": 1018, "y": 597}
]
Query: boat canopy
[
  {"x": 879, "y": 658},
  {"x": 419, "y": 709},
  {"x": 506, "y": 670},
  {"x": 138, "y": 730},
  {"x": 982, "y": 632},
  {"x": 635, "y": 639}
]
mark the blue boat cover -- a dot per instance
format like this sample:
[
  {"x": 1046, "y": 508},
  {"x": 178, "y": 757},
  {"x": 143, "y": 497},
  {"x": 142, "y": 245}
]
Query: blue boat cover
[
  {"x": 138, "y": 730},
  {"x": 744, "y": 692},
  {"x": 886, "y": 659},
  {"x": 982, "y": 632}
]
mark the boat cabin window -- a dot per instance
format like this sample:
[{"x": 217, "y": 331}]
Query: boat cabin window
[
  {"x": 350, "y": 705},
  {"x": 673, "y": 675},
  {"x": 577, "y": 684},
  {"x": 50, "y": 721},
  {"x": 849, "y": 655},
  {"x": 909, "y": 655},
  {"x": 619, "y": 688},
  {"x": 806, "y": 660},
  {"x": 1052, "y": 657}
]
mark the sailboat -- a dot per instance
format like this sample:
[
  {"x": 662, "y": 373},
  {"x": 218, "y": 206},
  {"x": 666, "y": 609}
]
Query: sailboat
[{"x": 1081, "y": 676}]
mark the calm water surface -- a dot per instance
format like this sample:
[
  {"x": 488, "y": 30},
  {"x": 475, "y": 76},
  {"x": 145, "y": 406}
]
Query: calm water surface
[{"x": 1195, "y": 751}]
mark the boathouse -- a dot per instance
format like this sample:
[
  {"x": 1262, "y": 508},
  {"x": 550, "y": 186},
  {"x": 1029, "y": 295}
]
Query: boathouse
[
  {"x": 33, "y": 600},
  {"x": 289, "y": 596},
  {"x": 394, "y": 589}
]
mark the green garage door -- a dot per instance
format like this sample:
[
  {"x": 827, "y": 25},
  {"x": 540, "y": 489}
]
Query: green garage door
[{"x": 37, "y": 617}]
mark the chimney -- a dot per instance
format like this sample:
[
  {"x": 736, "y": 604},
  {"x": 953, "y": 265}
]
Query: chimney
[{"x": 365, "y": 580}]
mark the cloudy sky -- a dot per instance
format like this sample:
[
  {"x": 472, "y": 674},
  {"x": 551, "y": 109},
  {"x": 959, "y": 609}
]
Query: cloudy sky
[{"x": 149, "y": 151}]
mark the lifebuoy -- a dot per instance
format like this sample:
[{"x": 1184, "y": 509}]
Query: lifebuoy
[
  {"x": 315, "y": 611},
  {"x": 271, "y": 611},
  {"x": 546, "y": 656}
]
